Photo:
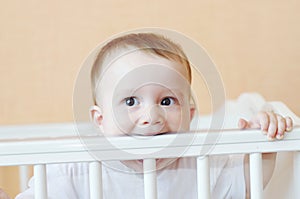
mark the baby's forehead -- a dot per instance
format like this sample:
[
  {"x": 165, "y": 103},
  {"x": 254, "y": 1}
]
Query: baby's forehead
[
  {"x": 119, "y": 58},
  {"x": 133, "y": 69}
]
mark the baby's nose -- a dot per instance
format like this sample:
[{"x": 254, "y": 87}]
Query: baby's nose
[{"x": 152, "y": 115}]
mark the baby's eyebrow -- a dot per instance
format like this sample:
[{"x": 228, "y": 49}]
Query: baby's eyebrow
[
  {"x": 125, "y": 92},
  {"x": 176, "y": 92}
]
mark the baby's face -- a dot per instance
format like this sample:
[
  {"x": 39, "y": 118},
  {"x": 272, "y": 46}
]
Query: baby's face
[{"x": 145, "y": 95}]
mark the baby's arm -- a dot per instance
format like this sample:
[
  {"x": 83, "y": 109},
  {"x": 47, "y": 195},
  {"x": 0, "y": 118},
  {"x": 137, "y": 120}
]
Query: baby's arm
[{"x": 274, "y": 126}]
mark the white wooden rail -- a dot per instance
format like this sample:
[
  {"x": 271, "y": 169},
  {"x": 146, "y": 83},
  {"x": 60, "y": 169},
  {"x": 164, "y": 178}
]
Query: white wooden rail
[
  {"x": 40, "y": 183},
  {"x": 203, "y": 178},
  {"x": 150, "y": 179},
  {"x": 39, "y": 151},
  {"x": 95, "y": 176},
  {"x": 256, "y": 175}
]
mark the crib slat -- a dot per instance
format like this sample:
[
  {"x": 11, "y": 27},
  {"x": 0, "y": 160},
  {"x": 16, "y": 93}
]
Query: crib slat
[
  {"x": 23, "y": 173},
  {"x": 95, "y": 176},
  {"x": 40, "y": 182},
  {"x": 296, "y": 174},
  {"x": 150, "y": 185},
  {"x": 203, "y": 177},
  {"x": 256, "y": 175}
]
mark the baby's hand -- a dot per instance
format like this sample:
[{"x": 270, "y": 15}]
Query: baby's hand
[
  {"x": 271, "y": 124},
  {"x": 3, "y": 195}
]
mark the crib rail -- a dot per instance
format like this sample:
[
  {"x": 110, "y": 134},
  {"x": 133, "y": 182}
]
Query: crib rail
[
  {"x": 41, "y": 150},
  {"x": 74, "y": 148}
]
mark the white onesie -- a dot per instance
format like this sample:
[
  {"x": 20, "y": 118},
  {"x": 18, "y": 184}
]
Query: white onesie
[{"x": 176, "y": 181}]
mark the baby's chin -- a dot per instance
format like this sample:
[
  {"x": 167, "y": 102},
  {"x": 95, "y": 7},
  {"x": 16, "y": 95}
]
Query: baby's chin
[{"x": 137, "y": 165}]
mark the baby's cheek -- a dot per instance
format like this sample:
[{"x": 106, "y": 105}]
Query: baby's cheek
[
  {"x": 176, "y": 121},
  {"x": 113, "y": 127},
  {"x": 122, "y": 122}
]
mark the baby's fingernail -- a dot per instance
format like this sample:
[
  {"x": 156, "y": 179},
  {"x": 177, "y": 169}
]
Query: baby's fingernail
[
  {"x": 289, "y": 129},
  {"x": 279, "y": 137},
  {"x": 270, "y": 138},
  {"x": 264, "y": 132}
]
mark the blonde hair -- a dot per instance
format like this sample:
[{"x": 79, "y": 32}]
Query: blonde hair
[{"x": 147, "y": 42}]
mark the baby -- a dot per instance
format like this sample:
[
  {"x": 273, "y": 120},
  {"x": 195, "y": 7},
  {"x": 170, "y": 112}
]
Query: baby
[{"x": 141, "y": 86}]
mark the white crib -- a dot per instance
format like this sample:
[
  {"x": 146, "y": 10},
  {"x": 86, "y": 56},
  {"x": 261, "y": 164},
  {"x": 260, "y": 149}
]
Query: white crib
[{"x": 39, "y": 145}]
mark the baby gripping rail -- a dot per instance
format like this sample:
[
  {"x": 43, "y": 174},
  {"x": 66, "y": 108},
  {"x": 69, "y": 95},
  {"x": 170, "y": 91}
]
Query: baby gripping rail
[{"x": 63, "y": 148}]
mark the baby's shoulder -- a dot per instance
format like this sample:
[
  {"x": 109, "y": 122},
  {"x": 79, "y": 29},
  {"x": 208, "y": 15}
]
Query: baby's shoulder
[{"x": 68, "y": 169}]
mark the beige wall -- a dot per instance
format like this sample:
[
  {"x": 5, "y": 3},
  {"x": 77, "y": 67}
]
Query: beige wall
[{"x": 255, "y": 45}]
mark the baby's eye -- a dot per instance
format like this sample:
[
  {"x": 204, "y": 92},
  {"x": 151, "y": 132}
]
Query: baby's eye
[
  {"x": 131, "y": 101},
  {"x": 167, "y": 101}
]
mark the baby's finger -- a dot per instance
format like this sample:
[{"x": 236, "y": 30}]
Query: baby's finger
[
  {"x": 289, "y": 124},
  {"x": 272, "y": 125},
  {"x": 242, "y": 124},
  {"x": 281, "y": 127},
  {"x": 264, "y": 122}
]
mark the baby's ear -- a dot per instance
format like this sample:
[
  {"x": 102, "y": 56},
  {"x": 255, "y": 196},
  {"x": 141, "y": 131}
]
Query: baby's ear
[
  {"x": 96, "y": 115},
  {"x": 192, "y": 111}
]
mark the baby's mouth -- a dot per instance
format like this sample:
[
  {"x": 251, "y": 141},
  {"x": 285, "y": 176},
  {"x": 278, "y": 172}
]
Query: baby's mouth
[
  {"x": 150, "y": 133},
  {"x": 161, "y": 133}
]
